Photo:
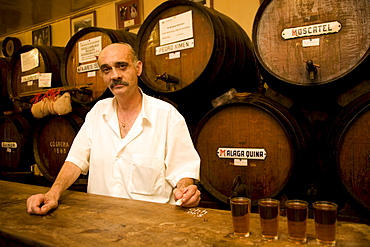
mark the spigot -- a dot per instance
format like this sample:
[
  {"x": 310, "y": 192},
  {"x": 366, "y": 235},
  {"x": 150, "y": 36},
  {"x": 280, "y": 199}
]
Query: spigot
[
  {"x": 168, "y": 79},
  {"x": 311, "y": 68}
]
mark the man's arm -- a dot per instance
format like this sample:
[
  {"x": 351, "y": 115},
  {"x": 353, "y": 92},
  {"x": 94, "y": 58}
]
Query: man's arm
[{"x": 42, "y": 203}]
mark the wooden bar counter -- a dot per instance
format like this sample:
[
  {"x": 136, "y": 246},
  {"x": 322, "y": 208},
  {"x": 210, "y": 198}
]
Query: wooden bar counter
[{"x": 90, "y": 220}]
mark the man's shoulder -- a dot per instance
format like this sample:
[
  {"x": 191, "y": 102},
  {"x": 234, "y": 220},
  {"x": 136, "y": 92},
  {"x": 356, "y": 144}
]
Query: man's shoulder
[
  {"x": 103, "y": 103},
  {"x": 156, "y": 102}
]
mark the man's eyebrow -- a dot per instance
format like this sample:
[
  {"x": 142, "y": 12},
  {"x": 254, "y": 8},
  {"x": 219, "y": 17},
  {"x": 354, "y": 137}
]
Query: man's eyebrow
[
  {"x": 104, "y": 65},
  {"x": 120, "y": 63}
]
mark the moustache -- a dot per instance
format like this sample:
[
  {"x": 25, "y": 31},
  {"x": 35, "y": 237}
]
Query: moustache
[{"x": 118, "y": 82}]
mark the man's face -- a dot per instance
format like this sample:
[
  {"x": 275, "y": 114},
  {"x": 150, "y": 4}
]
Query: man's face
[{"x": 119, "y": 72}]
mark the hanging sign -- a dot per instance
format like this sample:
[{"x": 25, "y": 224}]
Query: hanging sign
[{"x": 317, "y": 29}]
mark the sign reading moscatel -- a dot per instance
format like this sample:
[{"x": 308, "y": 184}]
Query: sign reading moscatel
[
  {"x": 242, "y": 155},
  {"x": 317, "y": 29}
]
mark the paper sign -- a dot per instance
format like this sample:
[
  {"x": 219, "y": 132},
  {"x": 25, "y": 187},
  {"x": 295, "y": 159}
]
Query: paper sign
[
  {"x": 45, "y": 80},
  {"x": 30, "y": 60},
  {"x": 240, "y": 162},
  {"x": 176, "y": 28},
  {"x": 310, "y": 42},
  {"x": 88, "y": 50}
]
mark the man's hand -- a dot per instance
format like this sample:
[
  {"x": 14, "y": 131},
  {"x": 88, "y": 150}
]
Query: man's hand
[
  {"x": 188, "y": 196},
  {"x": 41, "y": 204}
]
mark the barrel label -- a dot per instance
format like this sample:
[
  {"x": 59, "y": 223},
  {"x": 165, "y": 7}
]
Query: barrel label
[
  {"x": 240, "y": 162},
  {"x": 59, "y": 147},
  {"x": 88, "y": 50},
  {"x": 310, "y": 42},
  {"x": 30, "y": 60},
  {"x": 317, "y": 29},
  {"x": 44, "y": 79},
  {"x": 242, "y": 153},
  {"x": 87, "y": 67},
  {"x": 9, "y": 145},
  {"x": 176, "y": 28},
  {"x": 186, "y": 44}
]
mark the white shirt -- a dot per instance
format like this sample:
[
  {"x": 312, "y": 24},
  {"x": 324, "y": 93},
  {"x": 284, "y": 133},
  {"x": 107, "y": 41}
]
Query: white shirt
[{"x": 144, "y": 165}]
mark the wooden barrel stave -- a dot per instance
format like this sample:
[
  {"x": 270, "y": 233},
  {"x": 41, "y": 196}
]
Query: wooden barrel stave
[
  {"x": 348, "y": 150},
  {"x": 343, "y": 57},
  {"x": 16, "y": 129},
  {"x": 49, "y": 62},
  {"x": 256, "y": 122},
  {"x": 6, "y": 105},
  {"x": 53, "y": 138},
  {"x": 222, "y": 58}
]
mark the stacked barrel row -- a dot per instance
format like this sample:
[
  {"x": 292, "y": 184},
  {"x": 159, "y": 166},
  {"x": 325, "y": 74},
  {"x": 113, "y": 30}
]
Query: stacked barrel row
[
  {"x": 304, "y": 136},
  {"x": 45, "y": 142},
  {"x": 315, "y": 57}
]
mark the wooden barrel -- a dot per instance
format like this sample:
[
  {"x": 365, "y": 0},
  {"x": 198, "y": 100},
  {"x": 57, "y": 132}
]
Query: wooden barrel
[
  {"x": 79, "y": 63},
  {"x": 348, "y": 149},
  {"x": 53, "y": 138},
  {"x": 28, "y": 61},
  {"x": 308, "y": 48},
  {"x": 16, "y": 133},
  {"x": 254, "y": 141},
  {"x": 6, "y": 104},
  {"x": 192, "y": 52},
  {"x": 10, "y": 45}
]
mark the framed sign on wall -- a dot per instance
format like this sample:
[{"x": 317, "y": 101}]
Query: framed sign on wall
[
  {"x": 81, "y": 21},
  {"x": 129, "y": 14},
  {"x": 42, "y": 36}
]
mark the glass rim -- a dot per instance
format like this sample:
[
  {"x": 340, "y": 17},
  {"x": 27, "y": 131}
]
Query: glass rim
[
  {"x": 240, "y": 199},
  {"x": 268, "y": 200},
  {"x": 325, "y": 203},
  {"x": 296, "y": 201}
]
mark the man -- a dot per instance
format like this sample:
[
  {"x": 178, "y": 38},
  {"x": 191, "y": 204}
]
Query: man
[{"x": 133, "y": 145}]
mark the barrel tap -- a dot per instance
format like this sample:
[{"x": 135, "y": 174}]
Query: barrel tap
[
  {"x": 168, "y": 79},
  {"x": 239, "y": 188},
  {"x": 311, "y": 68}
]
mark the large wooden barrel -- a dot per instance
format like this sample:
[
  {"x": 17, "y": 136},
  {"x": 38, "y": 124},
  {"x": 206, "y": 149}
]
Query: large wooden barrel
[
  {"x": 256, "y": 142},
  {"x": 348, "y": 149},
  {"x": 192, "y": 52},
  {"x": 53, "y": 138},
  {"x": 6, "y": 104},
  {"x": 79, "y": 63},
  {"x": 27, "y": 62},
  {"x": 329, "y": 38},
  {"x": 16, "y": 132}
]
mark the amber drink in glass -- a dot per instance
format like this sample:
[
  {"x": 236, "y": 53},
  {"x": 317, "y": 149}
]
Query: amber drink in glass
[
  {"x": 269, "y": 210},
  {"x": 240, "y": 211},
  {"x": 325, "y": 214},
  {"x": 297, "y": 211}
]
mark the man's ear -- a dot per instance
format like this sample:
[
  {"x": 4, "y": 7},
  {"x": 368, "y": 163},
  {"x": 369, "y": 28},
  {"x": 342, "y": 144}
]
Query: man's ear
[{"x": 139, "y": 68}]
